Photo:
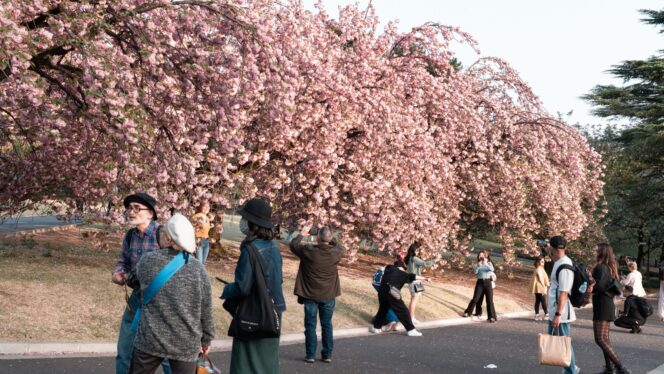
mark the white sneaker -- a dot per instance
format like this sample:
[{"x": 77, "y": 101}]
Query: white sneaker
[
  {"x": 374, "y": 330},
  {"x": 392, "y": 326},
  {"x": 414, "y": 332},
  {"x": 415, "y": 321}
]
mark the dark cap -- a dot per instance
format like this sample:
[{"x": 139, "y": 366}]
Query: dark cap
[
  {"x": 258, "y": 212},
  {"x": 143, "y": 199},
  {"x": 558, "y": 242}
]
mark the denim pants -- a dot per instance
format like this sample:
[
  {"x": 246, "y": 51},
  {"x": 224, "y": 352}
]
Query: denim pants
[
  {"x": 126, "y": 339},
  {"x": 203, "y": 250},
  {"x": 325, "y": 308},
  {"x": 566, "y": 330}
]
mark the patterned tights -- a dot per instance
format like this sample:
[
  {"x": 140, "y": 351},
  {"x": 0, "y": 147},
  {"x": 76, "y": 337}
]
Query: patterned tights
[{"x": 601, "y": 330}]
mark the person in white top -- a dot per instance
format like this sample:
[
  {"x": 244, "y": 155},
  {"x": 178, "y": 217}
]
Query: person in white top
[
  {"x": 634, "y": 279},
  {"x": 561, "y": 312}
]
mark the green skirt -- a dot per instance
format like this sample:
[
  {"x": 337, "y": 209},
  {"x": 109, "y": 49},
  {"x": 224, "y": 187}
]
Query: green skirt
[{"x": 259, "y": 356}]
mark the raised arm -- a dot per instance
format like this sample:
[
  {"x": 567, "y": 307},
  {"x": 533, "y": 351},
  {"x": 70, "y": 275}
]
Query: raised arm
[
  {"x": 296, "y": 247},
  {"x": 419, "y": 262}
]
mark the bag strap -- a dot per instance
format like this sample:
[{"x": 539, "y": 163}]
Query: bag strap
[
  {"x": 257, "y": 265},
  {"x": 158, "y": 282},
  {"x": 560, "y": 268},
  {"x": 553, "y": 331}
]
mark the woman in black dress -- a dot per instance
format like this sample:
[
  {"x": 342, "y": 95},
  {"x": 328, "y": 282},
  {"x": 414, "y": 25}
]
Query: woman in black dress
[{"x": 604, "y": 310}]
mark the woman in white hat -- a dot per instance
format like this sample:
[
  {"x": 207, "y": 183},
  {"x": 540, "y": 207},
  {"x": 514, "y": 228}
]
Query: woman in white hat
[{"x": 177, "y": 322}]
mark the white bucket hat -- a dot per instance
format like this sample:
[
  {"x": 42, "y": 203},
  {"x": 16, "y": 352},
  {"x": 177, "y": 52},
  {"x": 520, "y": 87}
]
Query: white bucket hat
[{"x": 181, "y": 232}]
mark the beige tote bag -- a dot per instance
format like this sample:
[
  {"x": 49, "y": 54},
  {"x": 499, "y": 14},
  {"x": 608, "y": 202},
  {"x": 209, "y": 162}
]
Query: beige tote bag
[{"x": 555, "y": 350}]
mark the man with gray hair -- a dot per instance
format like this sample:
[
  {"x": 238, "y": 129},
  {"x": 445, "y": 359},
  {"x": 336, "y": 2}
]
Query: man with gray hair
[{"x": 317, "y": 286}]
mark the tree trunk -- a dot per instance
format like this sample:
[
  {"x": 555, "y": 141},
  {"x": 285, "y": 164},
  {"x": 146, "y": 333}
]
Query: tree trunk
[{"x": 642, "y": 244}]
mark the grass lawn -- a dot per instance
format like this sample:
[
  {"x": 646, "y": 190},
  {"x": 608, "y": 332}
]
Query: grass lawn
[{"x": 55, "y": 287}]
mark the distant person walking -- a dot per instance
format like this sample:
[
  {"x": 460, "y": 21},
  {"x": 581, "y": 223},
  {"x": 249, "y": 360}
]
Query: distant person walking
[
  {"x": 538, "y": 287},
  {"x": 389, "y": 297},
  {"x": 258, "y": 356},
  {"x": 202, "y": 224},
  {"x": 605, "y": 273},
  {"x": 317, "y": 286},
  {"x": 177, "y": 322},
  {"x": 141, "y": 239},
  {"x": 415, "y": 265},
  {"x": 634, "y": 279},
  {"x": 561, "y": 312},
  {"x": 631, "y": 317},
  {"x": 483, "y": 288}
]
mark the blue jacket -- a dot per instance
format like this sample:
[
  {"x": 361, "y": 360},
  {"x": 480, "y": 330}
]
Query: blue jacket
[
  {"x": 244, "y": 274},
  {"x": 483, "y": 271}
]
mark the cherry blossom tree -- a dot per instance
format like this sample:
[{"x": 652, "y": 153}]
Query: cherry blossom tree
[{"x": 377, "y": 133}]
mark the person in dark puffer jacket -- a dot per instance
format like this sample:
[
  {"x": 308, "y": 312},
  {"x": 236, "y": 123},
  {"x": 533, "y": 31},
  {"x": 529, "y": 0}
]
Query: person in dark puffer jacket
[{"x": 177, "y": 324}]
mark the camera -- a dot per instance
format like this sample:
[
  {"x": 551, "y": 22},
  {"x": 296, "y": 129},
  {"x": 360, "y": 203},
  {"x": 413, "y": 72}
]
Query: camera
[{"x": 132, "y": 280}]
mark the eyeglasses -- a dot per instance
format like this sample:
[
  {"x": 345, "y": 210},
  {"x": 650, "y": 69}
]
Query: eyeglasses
[{"x": 135, "y": 209}]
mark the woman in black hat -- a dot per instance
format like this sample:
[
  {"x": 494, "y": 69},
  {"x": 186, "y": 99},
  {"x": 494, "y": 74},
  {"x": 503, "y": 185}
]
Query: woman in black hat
[{"x": 258, "y": 355}]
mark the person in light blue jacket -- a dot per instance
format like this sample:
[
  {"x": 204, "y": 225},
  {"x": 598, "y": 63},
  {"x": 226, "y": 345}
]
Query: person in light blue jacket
[
  {"x": 415, "y": 265},
  {"x": 483, "y": 288}
]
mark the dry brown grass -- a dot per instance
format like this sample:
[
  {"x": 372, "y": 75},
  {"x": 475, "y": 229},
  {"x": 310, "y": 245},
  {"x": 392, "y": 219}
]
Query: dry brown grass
[{"x": 54, "y": 287}]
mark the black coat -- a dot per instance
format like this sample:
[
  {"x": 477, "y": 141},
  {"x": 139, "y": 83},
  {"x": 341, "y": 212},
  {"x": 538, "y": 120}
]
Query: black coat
[
  {"x": 604, "y": 308},
  {"x": 395, "y": 277}
]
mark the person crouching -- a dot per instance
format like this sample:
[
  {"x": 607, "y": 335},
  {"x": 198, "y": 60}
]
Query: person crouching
[{"x": 631, "y": 317}]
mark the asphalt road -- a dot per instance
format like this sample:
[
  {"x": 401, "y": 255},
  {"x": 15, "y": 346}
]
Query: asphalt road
[
  {"x": 511, "y": 345},
  {"x": 28, "y": 223}
]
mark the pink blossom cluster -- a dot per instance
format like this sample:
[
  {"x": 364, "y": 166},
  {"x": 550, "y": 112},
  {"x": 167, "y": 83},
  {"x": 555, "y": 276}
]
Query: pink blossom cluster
[{"x": 374, "y": 132}]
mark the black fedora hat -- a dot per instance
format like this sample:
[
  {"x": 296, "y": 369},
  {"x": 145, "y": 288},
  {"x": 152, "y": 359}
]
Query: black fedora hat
[
  {"x": 258, "y": 212},
  {"x": 143, "y": 199}
]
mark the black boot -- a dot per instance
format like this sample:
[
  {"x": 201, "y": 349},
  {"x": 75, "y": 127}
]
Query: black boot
[{"x": 608, "y": 371}]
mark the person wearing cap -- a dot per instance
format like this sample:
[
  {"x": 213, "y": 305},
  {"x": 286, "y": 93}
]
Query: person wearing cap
[
  {"x": 142, "y": 238},
  {"x": 394, "y": 276},
  {"x": 177, "y": 323},
  {"x": 317, "y": 286},
  {"x": 258, "y": 355},
  {"x": 561, "y": 312}
]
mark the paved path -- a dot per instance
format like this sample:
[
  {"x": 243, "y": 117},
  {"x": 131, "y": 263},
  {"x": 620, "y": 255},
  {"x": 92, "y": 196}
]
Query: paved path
[
  {"x": 29, "y": 223},
  {"x": 508, "y": 344}
]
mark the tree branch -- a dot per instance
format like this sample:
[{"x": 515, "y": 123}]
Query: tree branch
[{"x": 41, "y": 19}]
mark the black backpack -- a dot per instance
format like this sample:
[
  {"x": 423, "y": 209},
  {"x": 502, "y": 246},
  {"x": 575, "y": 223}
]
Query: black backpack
[
  {"x": 645, "y": 309},
  {"x": 579, "y": 295},
  {"x": 254, "y": 316}
]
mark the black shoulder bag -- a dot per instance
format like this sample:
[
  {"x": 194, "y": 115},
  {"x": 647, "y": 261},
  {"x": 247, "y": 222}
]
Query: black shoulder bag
[{"x": 254, "y": 316}]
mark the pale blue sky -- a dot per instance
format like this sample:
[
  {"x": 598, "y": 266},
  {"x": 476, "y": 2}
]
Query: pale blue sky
[{"x": 561, "y": 48}]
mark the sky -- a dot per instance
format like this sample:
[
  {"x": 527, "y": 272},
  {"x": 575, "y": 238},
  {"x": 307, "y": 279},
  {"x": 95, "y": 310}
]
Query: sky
[{"x": 562, "y": 48}]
